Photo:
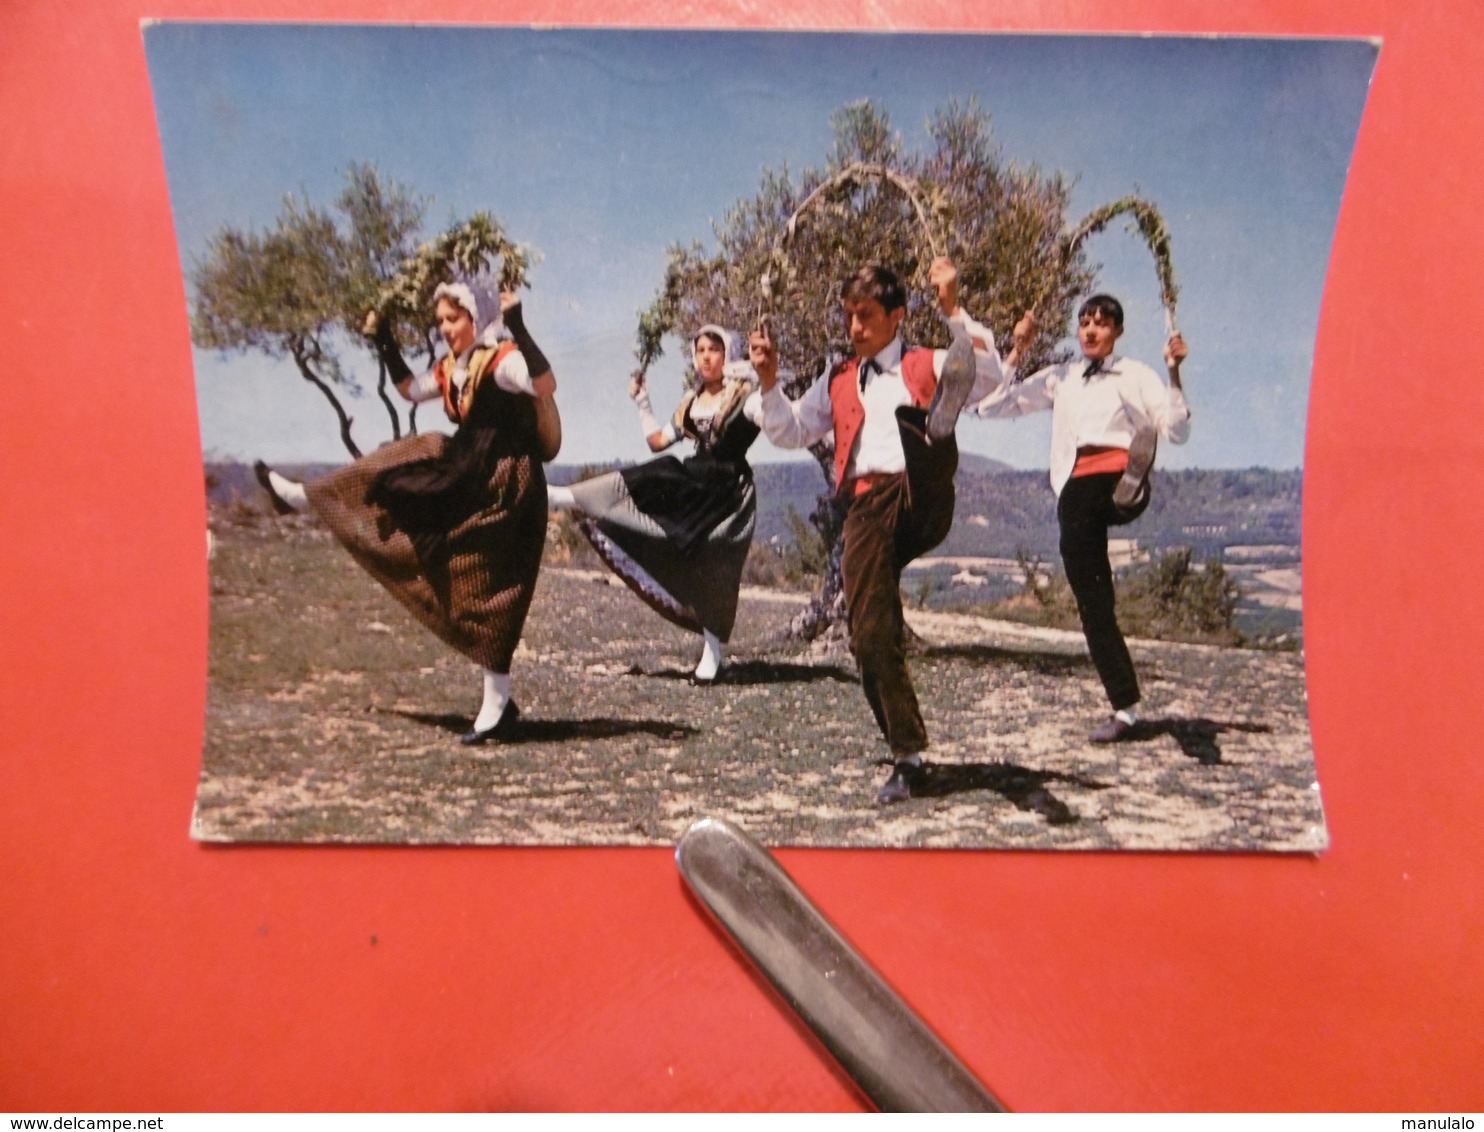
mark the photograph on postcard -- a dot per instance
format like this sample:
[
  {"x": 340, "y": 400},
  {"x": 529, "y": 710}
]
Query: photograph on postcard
[{"x": 875, "y": 440}]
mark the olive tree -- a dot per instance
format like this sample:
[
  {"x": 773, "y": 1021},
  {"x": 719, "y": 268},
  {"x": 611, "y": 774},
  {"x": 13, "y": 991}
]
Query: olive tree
[
  {"x": 781, "y": 253},
  {"x": 300, "y": 289}
]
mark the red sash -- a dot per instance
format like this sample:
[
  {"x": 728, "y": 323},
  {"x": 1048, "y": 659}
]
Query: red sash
[{"x": 1093, "y": 460}]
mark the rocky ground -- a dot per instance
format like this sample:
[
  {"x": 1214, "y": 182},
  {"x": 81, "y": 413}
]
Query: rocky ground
[{"x": 332, "y": 716}]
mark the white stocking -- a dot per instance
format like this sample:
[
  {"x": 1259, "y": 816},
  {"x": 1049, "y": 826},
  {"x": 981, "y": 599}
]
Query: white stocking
[
  {"x": 496, "y": 696},
  {"x": 711, "y": 654},
  {"x": 290, "y": 491},
  {"x": 560, "y": 499}
]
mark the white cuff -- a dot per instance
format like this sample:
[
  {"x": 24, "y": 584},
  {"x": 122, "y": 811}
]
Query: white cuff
[{"x": 647, "y": 419}]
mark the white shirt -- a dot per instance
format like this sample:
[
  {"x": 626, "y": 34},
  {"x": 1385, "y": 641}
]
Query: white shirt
[
  {"x": 511, "y": 375},
  {"x": 1104, "y": 410},
  {"x": 878, "y": 445}
]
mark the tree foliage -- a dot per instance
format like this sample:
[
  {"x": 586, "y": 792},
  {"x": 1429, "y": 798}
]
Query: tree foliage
[
  {"x": 1146, "y": 220},
  {"x": 782, "y": 253},
  {"x": 1170, "y": 596},
  {"x": 1001, "y": 221},
  {"x": 301, "y": 288},
  {"x": 1177, "y": 598}
]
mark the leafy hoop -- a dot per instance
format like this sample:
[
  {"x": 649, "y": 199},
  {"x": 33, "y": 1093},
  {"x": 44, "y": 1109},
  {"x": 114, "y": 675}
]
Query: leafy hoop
[
  {"x": 467, "y": 249},
  {"x": 659, "y": 318},
  {"x": 935, "y": 227},
  {"x": 1147, "y": 221}
]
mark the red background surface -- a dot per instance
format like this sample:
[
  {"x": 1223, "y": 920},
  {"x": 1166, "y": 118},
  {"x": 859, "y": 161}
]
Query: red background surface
[{"x": 142, "y": 971}]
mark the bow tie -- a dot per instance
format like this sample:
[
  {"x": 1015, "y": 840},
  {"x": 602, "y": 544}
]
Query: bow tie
[
  {"x": 1094, "y": 368},
  {"x": 868, "y": 367}
]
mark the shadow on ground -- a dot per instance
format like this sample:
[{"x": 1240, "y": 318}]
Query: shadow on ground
[
  {"x": 1024, "y": 788},
  {"x": 758, "y": 672},
  {"x": 1197, "y": 737},
  {"x": 1047, "y": 663},
  {"x": 528, "y": 730}
]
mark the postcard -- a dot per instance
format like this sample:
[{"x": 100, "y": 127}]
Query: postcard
[{"x": 878, "y": 440}]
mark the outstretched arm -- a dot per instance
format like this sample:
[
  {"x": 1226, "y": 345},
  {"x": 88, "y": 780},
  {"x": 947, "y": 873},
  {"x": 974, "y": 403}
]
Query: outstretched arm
[
  {"x": 989, "y": 370},
  {"x": 1014, "y": 397},
  {"x": 379, "y": 330},
  {"x": 943, "y": 275},
  {"x": 657, "y": 436},
  {"x": 543, "y": 382},
  {"x": 1171, "y": 412},
  {"x": 789, "y": 424},
  {"x": 1176, "y": 351}
]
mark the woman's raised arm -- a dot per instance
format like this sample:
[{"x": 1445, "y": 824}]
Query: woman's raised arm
[{"x": 543, "y": 381}]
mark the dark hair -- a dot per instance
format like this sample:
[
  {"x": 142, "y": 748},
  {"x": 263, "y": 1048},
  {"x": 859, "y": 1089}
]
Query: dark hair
[
  {"x": 1105, "y": 305},
  {"x": 875, "y": 281},
  {"x": 714, "y": 336}
]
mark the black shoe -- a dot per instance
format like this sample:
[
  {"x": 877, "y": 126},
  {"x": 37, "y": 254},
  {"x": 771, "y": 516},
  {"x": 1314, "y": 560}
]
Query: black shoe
[
  {"x": 502, "y": 728},
  {"x": 1134, "y": 485},
  {"x": 1111, "y": 730},
  {"x": 280, "y": 506},
  {"x": 897, "y": 788},
  {"x": 954, "y": 385}
]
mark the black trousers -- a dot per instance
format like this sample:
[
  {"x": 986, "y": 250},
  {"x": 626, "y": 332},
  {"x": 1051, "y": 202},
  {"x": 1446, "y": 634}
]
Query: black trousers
[
  {"x": 1085, "y": 511},
  {"x": 897, "y": 519}
]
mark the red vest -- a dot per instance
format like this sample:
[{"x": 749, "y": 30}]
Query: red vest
[{"x": 845, "y": 398}]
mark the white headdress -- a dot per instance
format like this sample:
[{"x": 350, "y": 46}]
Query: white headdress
[
  {"x": 728, "y": 339},
  {"x": 735, "y": 364},
  {"x": 482, "y": 300}
]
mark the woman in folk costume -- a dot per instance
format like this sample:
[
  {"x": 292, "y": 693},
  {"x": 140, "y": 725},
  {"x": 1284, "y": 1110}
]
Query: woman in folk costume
[
  {"x": 455, "y": 526},
  {"x": 677, "y": 532}
]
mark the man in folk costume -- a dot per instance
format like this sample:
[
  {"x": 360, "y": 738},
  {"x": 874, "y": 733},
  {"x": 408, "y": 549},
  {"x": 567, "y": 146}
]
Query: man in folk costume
[
  {"x": 1108, "y": 412},
  {"x": 892, "y": 410}
]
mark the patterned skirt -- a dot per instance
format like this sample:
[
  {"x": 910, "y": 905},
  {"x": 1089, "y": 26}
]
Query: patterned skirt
[
  {"x": 682, "y": 555},
  {"x": 472, "y": 584}
]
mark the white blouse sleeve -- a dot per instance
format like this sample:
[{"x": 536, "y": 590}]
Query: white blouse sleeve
[
  {"x": 1016, "y": 398},
  {"x": 513, "y": 375},
  {"x": 798, "y": 424},
  {"x": 1166, "y": 407},
  {"x": 424, "y": 387},
  {"x": 989, "y": 371},
  {"x": 752, "y": 408}
]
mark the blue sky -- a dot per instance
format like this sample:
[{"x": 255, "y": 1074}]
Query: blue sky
[{"x": 600, "y": 148}]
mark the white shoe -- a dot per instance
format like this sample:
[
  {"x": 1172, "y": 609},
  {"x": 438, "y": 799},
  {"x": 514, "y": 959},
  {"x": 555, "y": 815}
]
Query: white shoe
[{"x": 711, "y": 656}]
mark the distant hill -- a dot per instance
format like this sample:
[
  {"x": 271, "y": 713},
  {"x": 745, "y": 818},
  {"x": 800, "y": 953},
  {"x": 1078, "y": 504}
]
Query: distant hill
[
  {"x": 1206, "y": 509},
  {"x": 999, "y": 509}
]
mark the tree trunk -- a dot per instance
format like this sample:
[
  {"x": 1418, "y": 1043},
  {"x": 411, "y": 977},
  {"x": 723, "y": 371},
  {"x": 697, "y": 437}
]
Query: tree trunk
[
  {"x": 432, "y": 355},
  {"x": 391, "y": 409},
  {"x": 826, "y": 609},
  {"x": 823, "y": 621},
  {"x": 308, "y": 374}
]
